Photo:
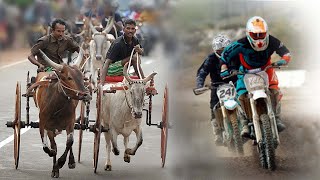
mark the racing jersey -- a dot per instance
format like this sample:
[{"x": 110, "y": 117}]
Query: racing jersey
[{"x": 250, "y": 58}]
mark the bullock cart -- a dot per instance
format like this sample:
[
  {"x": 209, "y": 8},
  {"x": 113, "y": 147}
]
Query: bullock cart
[
  {"x": 66, "y": 85},
  {"x": 97, "y": 127},
  {"x": 81, "y": 124},
  {"x": 105, "y": 101}
]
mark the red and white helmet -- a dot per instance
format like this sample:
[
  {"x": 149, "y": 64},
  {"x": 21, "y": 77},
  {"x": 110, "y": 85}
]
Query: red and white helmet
[{"x": 257, "y": 33}]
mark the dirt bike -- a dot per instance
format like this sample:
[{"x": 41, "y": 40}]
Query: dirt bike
[
  {"x": 231, "y": 114},
  {"x": 263, "y": 127}
]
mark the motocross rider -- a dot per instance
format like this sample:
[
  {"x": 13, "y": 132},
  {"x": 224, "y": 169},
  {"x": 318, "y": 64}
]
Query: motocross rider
[
  {"x": 211, "y": 65},
  {"x": 254, "y": 51}
]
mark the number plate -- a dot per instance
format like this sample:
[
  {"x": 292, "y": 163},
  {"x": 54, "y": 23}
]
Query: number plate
[
  {"x": 256, "y": 81},
  {"x": 226, "y": 91}
]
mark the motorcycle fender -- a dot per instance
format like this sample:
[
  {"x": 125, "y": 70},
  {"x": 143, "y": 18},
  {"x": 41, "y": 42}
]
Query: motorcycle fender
[
  {"x": 259, "y": 94},
  {"x": 230, "y": 104}
]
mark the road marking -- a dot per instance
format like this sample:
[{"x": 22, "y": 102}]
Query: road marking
[
  {"x": 13, "y": 64},
  {"x": 10, "y": 138}
]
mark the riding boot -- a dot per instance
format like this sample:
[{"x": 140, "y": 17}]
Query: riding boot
[
  {"x": 212, "y": 115},
  {"x": 276, "y": 107},
  {"x": 217, "y": 131},
  {"x": 245, "y": 128},
  {"x": 245, "y": 105}
]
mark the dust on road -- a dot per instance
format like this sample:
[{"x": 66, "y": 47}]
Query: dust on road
[{"x": 297, "y": 157}]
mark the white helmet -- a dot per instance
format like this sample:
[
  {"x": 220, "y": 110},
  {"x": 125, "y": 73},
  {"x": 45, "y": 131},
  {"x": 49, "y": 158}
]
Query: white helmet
[
  {"x": 219, "y": 42},
  {"x": 257, "y": 33}
]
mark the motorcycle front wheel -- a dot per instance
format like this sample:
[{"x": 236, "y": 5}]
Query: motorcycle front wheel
[
  {"x": 267, "y": 147},
  {"x": 236, "y": 137}
]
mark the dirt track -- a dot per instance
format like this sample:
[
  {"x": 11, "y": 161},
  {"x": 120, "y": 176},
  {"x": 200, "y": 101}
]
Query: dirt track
[{"x": 297, "y": 157}]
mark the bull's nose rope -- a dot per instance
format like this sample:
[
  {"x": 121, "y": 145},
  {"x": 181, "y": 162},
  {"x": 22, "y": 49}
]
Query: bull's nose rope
[
  {"x": 125, "y": 94},
  {"x": 62, "y": 86}
]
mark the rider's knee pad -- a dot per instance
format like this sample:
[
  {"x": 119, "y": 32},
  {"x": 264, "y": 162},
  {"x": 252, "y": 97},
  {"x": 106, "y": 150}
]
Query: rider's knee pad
[
  {"x": 245, "y": 105},
  {"x": 218, "y": 115}
]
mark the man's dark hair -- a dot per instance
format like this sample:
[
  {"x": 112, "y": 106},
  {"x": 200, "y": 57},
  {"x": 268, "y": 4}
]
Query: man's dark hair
[
  {"x": 129, "y": 21},
  {"x": 57, "y": 21}
]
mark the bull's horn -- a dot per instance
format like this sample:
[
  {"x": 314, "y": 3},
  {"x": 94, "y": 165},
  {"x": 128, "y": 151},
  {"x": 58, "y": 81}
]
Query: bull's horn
[
  {"x": 145, "y": 80},
  {"x": 93, "y": 29},
  {"x": 50, "y": 62},
  {"x": 110, "y": 26},
  {"x": 125, "y": 68},
  {"x": 79, "y": 58}
]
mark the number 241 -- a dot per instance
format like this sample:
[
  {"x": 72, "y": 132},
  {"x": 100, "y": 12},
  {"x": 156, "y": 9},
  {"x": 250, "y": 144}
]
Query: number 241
[{"x": 228, "y": 92}]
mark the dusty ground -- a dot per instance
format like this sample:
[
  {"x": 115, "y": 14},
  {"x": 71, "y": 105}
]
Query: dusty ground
[{"x": 298, "y": 156}]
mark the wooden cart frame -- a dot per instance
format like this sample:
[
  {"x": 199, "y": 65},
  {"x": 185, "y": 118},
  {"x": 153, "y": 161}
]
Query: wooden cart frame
[
  {"x": 83, "y": 122},
  {"x": 163, "y": 124}
]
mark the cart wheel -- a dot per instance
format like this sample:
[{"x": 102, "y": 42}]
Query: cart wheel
[
  {"x": 97, "y": 131},
  {"x": 17, "y": 125},
  {"x": 164, "y": 127},
  {"x": 82, "y": 118}
]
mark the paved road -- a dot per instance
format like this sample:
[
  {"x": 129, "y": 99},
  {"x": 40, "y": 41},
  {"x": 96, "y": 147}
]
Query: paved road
[{"x": 35, "y": 164}]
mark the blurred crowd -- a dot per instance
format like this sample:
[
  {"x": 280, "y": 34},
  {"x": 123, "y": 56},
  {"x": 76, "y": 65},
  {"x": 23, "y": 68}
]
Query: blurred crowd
[{"x": 23, "y": 21}]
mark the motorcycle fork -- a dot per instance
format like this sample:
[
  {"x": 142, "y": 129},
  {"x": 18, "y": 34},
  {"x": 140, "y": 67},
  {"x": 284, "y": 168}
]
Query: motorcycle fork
[
  {"x": 225, "y": 122},
  {"x": 272, "y": 120},
  {"x": 227, "y": 127},
  {"x": 255, "y": 120}
]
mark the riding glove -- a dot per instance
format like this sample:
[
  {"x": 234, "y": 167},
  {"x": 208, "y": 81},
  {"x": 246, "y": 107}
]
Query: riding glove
[
  {"x": 224, "y": 74},
  {"x": 280, "y": 62}
]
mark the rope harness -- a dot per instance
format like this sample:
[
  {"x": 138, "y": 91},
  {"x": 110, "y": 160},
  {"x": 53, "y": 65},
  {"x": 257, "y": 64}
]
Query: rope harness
[
  {"x": 124, "y": 84},
  {"x": 64, "y": 86}
]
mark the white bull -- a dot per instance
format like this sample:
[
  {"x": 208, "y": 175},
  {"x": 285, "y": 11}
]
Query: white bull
[
  {"x": 99, "y": 46},
  {"x": 122, "y": 113}
]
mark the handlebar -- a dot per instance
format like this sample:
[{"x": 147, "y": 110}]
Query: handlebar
[
  {"x": 275, "y": 66},
  {"x": 198, "y": 91},
  {"x": 252, "y": 71},
  {"x": 233, "y": 73}
]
